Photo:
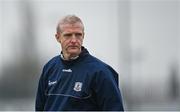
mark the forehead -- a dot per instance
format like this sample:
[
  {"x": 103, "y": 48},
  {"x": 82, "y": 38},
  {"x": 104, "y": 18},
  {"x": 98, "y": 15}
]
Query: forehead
[{"x": 72, "y": 27}]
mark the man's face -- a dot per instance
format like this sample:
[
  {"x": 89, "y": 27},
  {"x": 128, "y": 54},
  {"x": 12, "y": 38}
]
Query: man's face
[{"x": 71, "y": 39}]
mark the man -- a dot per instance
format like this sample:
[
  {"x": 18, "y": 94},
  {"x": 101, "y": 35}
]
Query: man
[{"x": 75, "y": 80}]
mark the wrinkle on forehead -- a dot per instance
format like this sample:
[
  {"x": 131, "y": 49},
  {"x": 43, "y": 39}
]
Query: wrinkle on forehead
[{"x": 71, "y": 26}]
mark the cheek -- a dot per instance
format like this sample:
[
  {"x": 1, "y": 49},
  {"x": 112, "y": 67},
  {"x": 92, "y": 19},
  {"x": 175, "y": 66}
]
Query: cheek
[
  {"x": 80, "y": 41},
  {"x": 65, "y": 43}
]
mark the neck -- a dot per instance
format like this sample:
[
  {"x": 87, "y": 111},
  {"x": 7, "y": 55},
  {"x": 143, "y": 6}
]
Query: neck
[{"x": 69, "y": 57}]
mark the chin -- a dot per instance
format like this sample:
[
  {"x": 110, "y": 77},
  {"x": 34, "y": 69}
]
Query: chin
[{"x": 74, "y": 51}]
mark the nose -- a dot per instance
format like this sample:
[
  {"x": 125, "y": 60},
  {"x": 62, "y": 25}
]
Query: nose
[{"x": 73, "y": 39}]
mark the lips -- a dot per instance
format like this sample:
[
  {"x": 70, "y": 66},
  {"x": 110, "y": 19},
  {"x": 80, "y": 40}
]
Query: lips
[{"x": 73, "y": 47}]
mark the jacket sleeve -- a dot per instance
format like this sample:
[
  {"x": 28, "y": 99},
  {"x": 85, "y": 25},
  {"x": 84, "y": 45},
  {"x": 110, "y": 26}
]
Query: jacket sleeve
[
  {"x": 107, "y": 91},
  {"x": 40, "y": 97}
]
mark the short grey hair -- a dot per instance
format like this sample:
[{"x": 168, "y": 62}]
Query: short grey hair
[{"x": 69, "y": 19}]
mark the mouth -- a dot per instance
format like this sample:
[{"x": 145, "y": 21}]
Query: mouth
[
  {"x": 73, "y": 47},
  {"x": 73, "y": 50}
]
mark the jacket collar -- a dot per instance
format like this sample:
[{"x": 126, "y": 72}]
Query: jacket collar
[{"x": 83, "y": 53}]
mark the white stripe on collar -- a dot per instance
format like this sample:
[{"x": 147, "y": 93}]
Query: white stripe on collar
[{"x": 72, "y": 58}]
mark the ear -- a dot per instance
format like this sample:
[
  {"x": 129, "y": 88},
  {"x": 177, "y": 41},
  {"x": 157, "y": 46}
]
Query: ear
[{"x": 58, "y": 37}]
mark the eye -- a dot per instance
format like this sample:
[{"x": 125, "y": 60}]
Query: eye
[
  {"x": 78, "y": 35},
  {"x": 68, "y": 35}
]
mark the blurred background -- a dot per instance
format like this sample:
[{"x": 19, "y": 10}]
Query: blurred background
[{"x": 138, "y": 38}]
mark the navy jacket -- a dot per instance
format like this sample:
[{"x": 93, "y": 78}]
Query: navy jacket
[{"x": 85, "y": 83}]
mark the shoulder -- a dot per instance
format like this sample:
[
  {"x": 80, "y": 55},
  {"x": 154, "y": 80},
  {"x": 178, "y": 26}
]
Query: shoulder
[
  {"x": 99, "y": 64},
  {"x": 102, "y": 70},
  {"x": 53, "y": 62}
]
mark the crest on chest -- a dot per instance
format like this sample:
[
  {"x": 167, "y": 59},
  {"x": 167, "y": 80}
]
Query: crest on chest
[{"x": 77, "y": 86}]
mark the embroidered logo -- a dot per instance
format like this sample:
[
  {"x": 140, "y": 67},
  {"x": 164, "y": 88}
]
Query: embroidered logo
[
  {"x": 78, "y": 86},
  {"x": 66, "y": 70},
  {"x": 51, "y": 82}
]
